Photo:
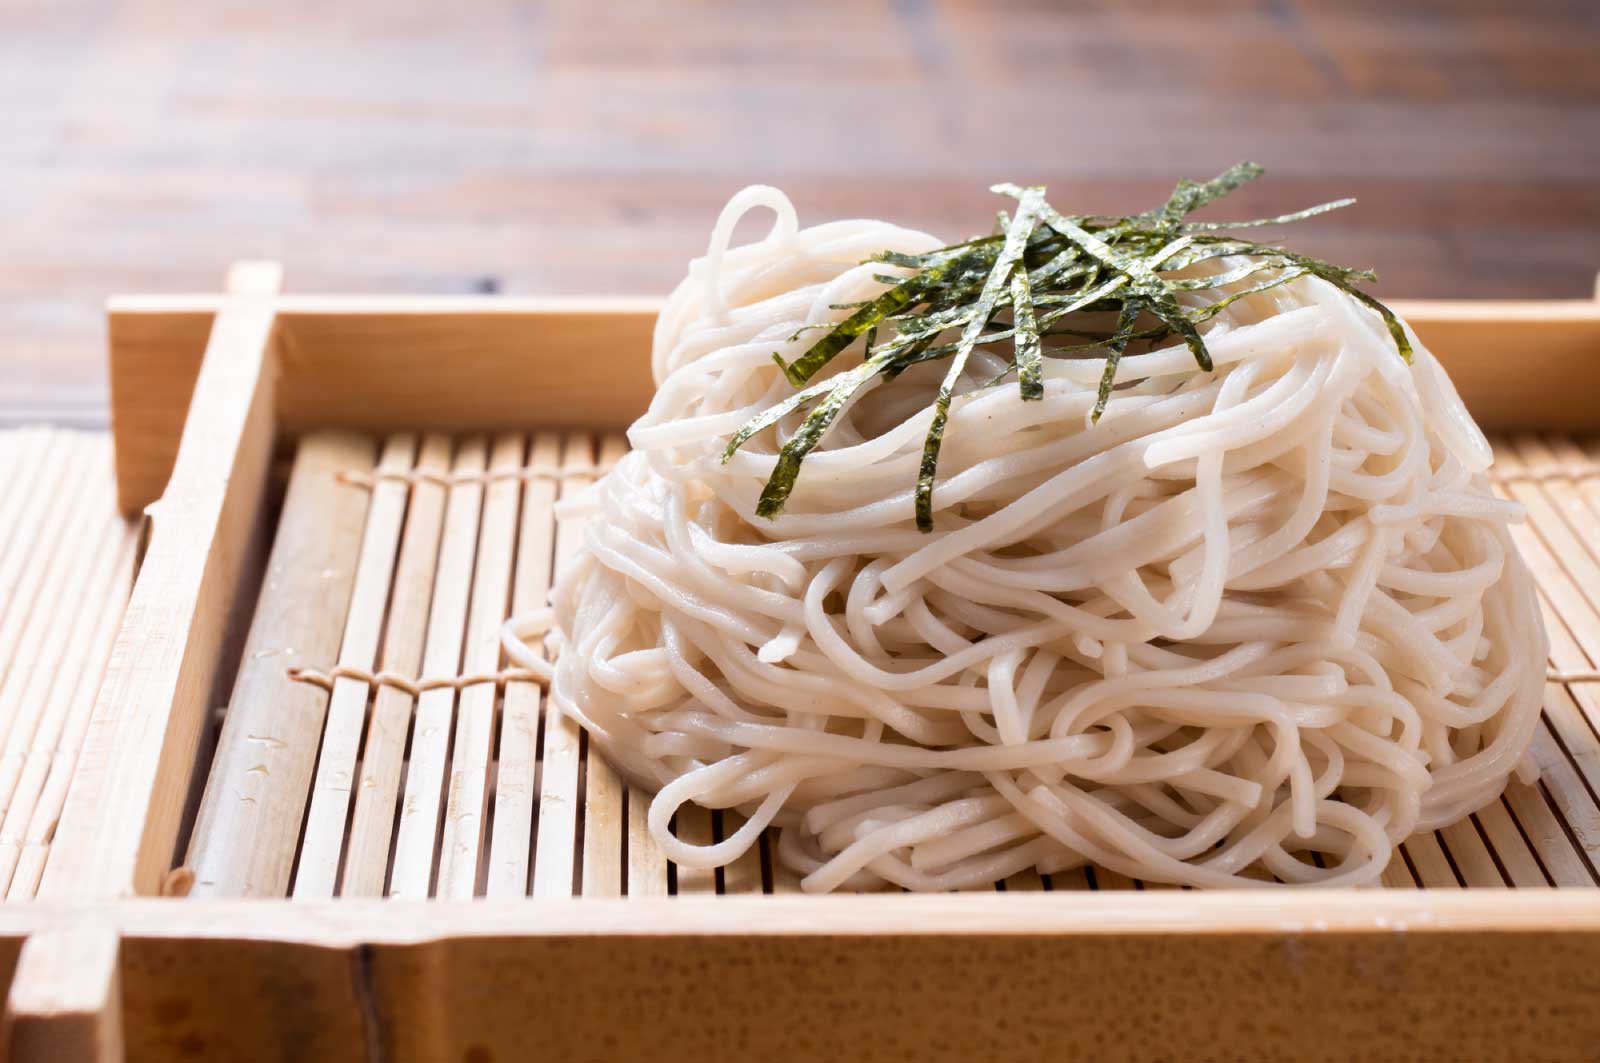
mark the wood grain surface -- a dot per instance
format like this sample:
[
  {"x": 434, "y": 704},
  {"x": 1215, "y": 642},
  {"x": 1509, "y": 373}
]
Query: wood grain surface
[{"x": 568, "y": 147}]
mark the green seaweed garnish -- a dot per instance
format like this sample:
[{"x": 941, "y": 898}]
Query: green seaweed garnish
[{"x": 1035, "y": 278}]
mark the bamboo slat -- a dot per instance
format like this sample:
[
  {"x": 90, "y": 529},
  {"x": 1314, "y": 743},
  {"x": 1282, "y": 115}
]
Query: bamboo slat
[
  {"x": 245, "y": 836},
  {"x": 692, "y": 825},
  {"x": 744, "y": 874},
  {"x": 322, "y": 841},
  {"x": 511, "y": 843},
  {"x": 383, "y": 756},
  {"x": 474, "y": 738},
  {"x": 559, "y": 796},
  {"x": 647, "y": 864},
  {"x": 418, "y": 830}
]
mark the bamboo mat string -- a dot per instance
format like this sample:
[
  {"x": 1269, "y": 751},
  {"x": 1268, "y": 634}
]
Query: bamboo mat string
[
  {"x": 409, "y": 685},
  {"x": 1573, "y": 675},
  {"x": 526, "y": 473}
]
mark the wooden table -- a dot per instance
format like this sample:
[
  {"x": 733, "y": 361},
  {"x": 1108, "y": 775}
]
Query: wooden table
[{"x": 575, "y": 147}]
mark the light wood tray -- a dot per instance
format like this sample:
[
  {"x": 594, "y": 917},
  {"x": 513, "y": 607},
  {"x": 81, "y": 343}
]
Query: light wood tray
[{"x": 511, "y": 402}]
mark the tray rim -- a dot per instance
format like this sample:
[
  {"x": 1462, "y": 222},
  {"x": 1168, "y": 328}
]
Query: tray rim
[
  {"x": 203, "y": 389},
  {"x": 243, "y": 399}
]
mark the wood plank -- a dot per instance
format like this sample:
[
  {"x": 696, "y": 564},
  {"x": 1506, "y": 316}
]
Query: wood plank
[
  {"x": 153, "y": 365},
  {"x": 420, "y": 808},
  {"x": 372, "y": 823},
  {"x": 1482, "y": 112},
  {"x": 403, "y": 363},
  {"x": 65, "y": 1001},
  {"x": 461, "y": 851},
  {"x": 322, "y": 840},
  {"x": 122, "y": 815},
  {"x": 510, "y": 845},
  {"x": 455, "y": 364},
  {"x": 1465, "y": 952},
  {"x": 245, "y": 835}
]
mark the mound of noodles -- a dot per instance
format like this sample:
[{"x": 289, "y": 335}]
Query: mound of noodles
[{"x": 1258, "y": 624}]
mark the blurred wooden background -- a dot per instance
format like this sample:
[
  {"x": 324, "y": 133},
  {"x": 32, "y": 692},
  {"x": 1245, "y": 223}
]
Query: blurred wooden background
[{"x": 569, "y": 146}]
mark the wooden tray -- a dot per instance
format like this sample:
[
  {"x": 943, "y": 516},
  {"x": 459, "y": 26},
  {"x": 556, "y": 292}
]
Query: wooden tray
[{"x": 460, "y": 420}]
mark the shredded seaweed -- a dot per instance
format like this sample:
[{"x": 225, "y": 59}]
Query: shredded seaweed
[{"x": 1039, "y": 276}]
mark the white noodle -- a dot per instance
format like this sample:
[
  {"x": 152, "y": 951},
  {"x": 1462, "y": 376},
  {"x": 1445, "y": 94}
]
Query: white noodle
[{"x": 1261, "y": 620}]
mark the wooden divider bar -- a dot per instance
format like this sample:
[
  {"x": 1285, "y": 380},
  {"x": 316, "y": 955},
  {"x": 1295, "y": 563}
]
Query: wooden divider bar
[{"x": 122, "y": 814}]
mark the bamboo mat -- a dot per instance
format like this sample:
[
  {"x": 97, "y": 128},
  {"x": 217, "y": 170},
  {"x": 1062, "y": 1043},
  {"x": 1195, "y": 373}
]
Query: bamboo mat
[
  {"x": 66, "y": 566},
  {"x": 466, "y": 788}
]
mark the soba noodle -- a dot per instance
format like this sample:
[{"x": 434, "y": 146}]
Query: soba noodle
[{"x": 1255, "y": 624}]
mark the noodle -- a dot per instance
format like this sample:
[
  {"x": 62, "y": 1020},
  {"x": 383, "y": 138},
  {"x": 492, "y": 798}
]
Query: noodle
[{"x": 1262, "y": 619}]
